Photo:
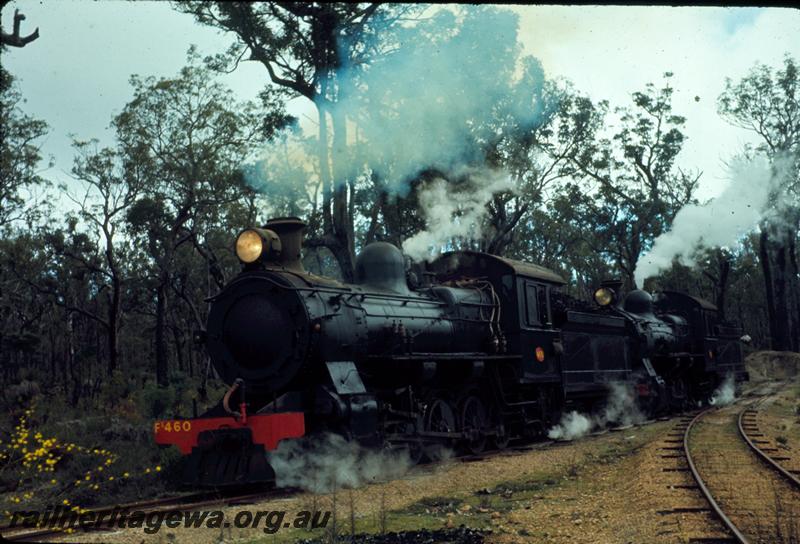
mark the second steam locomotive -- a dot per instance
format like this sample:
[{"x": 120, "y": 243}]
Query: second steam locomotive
[{"x": 479, "y": 351}]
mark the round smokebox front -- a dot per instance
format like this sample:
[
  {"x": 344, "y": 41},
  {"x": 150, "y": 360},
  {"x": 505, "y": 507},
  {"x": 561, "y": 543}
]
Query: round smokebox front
[{"x": 258, "y": 331}]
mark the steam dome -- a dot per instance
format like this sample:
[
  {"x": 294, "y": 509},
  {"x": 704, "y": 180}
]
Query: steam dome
[
  {"x": 381, "y": 265},
  {"x": 639, "y": 302}
]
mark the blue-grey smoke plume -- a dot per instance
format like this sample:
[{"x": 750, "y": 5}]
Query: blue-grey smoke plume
[
  {"x": 448, "y": 89},
  {"x": 451, "y": 84}
]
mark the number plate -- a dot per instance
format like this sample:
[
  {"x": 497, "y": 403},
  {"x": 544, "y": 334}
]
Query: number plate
[{"x": 173, "y": 426}]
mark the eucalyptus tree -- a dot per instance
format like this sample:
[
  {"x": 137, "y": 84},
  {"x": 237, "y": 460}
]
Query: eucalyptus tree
[
  {"x": 635, "y": 185},
  {"x": 20, "y": 156},
  {"x": 50, "y": 281},
  {"x": 304, "y": 47},
  {"x": 188, "y": 138},
  {"x": 537, "y": 156},
  {"x": 766, "y": 101},
  {"x": 108, "y": 190}
]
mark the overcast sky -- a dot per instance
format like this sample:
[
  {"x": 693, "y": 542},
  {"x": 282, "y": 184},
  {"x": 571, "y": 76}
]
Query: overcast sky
[{"x": 75, "y": 76}]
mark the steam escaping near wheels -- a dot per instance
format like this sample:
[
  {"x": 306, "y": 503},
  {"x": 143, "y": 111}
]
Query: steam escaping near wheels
[
  {"x": 324, "y": 463},
  {"x": 725, "y": 394},
  {"x": 620, "y": 408},
  {"x": 573, "y": 425}
]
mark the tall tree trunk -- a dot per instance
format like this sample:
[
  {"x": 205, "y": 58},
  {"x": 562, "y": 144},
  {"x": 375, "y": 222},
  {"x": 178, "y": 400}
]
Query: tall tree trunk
[
  {"x": 794, "y": 288},
  {"x": 628, "y": 280},
  {"x": 392, "y": 218},
  {"x": 343, "y": 229},
  {"x": 324, "y": 165},
  {"x": 763, "y": 256},
  {"x": 190, "y": 352},
  {"x": 722, "y": 285},
  {"x": 781, "y": 282},
  {"x": 73, "y": 376},
  {"x": 51, "y": 336},
  {"x": 372, "y": 230},
  {"x": 113, "y": 324},
  {"x": 178, "y": 347},
  {"x": 784, "y": 317},
  {"x": 161, "y": 341},
  {"x": 65, "y": 361}
]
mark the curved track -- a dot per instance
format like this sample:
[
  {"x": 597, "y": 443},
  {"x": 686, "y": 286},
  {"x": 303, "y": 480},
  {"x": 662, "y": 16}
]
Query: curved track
[
  {"x": 731, "y": 527},
  {"x": 747, "y": 419},
  {"x": 733, "y": 476}
]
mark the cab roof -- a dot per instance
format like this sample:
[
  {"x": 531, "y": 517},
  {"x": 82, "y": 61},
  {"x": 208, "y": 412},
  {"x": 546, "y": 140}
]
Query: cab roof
[
  {"x": 453, "y": 261},
  {"x": 703, "y": 303}
]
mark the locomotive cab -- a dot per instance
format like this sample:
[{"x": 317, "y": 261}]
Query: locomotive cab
[
  {"x": 716, "y": 343},
  {"x": 526, "y": 312}
]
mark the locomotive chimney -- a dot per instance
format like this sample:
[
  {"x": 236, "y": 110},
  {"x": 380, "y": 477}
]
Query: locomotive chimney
[{"x": 290, "y": 231}]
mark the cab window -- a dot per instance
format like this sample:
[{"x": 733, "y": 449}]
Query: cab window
[{"x": 535, "y": 304}]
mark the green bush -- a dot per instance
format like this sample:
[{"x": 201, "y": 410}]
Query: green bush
[
  {"x": 155, "y": 401},
  {"x": 111, "y": 428}
]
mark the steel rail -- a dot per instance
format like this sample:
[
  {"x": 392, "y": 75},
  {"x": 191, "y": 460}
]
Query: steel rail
[
  {"x": 702, "y": 485},
  {"x": 791, "y": 478}
]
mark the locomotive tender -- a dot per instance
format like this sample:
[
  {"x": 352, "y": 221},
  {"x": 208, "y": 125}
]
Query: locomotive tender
[{"x": 483, "y": 350}]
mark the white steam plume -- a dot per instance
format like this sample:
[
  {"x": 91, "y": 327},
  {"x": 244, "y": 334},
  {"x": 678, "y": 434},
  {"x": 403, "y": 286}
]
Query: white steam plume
[
  {"x": 720, "y": 222},
  {"x": 324, "y": 463},
  {"x": 725, "y": 394},
  {"x": 620, "y": 408},
  {"x": 573, "y": 425},
  {"x": 452, "y": 214}
]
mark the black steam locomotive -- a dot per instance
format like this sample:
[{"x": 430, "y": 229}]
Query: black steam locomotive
[{"x": 472, "y": 352}]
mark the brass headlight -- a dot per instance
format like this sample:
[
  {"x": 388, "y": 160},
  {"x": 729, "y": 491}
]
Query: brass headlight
[
  {"x": 249, "y": 246},
  {"x": 604, "y": 296}
]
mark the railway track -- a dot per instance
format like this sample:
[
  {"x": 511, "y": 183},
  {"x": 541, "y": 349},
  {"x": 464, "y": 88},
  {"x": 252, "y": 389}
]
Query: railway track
[
  {"x": 191, "y": 501},
  {"x": 746, "y": 489},
  {"x": 691, "y": 517},
  {"x": 736, "y": 534},
  {"x": 763, "y": 447},
  {"x": 697, "y": 512}
]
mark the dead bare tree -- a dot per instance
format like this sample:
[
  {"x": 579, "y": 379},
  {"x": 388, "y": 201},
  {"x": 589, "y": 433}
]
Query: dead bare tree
[{"x": 15, "y": 39}]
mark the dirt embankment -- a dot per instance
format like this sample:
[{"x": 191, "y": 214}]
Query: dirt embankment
[{"x": 773, "y": 365}]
